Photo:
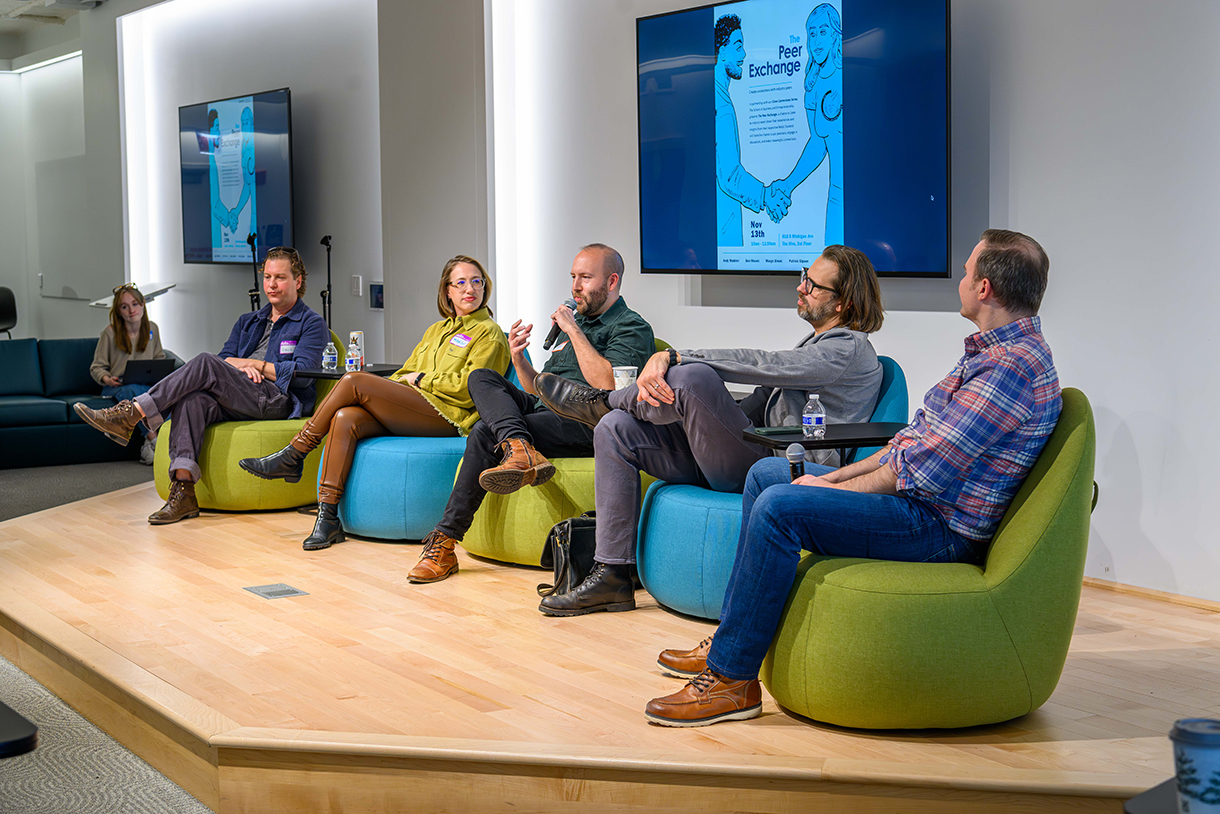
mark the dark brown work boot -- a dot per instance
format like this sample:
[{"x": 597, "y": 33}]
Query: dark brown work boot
[
  {"x": 707, "y": 699},
  {"x": 522, "y": 466},
  {"x": 180, "y": 506},
  {"x": 116, "y": 422},
  {"x": 438, "y": 561},
  {"x": 685, "y": 663}
]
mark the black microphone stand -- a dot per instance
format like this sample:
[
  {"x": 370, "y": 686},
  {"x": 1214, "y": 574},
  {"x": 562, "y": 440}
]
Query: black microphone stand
[
  {"x": 255, "y": 303},
  {"x": 326, "y": 295}
]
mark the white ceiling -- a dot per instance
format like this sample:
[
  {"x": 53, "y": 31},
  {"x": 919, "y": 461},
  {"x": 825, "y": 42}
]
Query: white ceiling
[{"x": 23, "y": 16}]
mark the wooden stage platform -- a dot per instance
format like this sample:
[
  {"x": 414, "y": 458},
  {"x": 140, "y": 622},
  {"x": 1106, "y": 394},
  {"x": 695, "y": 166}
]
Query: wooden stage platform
[{"x": 374, "y": 695}]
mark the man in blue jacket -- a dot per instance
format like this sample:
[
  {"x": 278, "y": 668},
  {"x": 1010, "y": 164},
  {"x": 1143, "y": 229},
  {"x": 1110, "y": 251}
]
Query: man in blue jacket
[{"x": 251, "y": 378}]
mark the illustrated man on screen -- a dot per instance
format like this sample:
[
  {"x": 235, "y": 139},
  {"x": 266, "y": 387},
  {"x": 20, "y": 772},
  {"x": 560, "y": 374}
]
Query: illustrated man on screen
[
  {"x": 735, "y": 187},
  {"x": 220, "y": 212}
]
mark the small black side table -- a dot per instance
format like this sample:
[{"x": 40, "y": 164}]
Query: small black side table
[
  {"x": 319, "y": 373},
  {"x": 838, "y": 436},
  {"x": 1161, "y": 799},
  {"x": 17, "y": 735}
]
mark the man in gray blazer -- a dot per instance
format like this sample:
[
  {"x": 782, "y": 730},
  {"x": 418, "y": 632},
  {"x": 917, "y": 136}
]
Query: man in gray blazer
[{"x": 679, "y": 422}]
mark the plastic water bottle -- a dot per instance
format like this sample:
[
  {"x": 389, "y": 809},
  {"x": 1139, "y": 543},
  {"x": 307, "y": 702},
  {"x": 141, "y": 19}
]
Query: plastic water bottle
[
  {"x": 353, "y": 359},
  {"x": 330, "y": 357},
  {"x": 813, "y": 418}
]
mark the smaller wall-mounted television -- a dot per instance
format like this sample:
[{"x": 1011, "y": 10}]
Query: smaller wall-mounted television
[
  {"x": 236, "y": 176},
  {"x": 769, "y": 129}
]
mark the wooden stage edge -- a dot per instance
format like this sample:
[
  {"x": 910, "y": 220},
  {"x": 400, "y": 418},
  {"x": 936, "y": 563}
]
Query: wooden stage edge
[{"x": 235, "y": 768}]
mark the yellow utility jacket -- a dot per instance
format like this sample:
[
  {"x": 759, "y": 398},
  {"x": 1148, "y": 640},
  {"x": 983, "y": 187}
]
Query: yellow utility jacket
[{"x": 449, "y": 350}]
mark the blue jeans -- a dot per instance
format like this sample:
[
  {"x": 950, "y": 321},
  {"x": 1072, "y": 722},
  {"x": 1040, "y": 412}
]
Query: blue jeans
[
  {"x": 779, "y": 519},
  {"x": 127, "y": 392}
]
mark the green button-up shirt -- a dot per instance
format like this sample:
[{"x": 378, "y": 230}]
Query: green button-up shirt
[{"x": 619, "y": 334}]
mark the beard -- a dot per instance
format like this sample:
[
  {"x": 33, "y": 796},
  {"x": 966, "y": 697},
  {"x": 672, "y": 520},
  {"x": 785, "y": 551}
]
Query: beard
[
  {"x": 818, "y": 313},
  {"x": 592, "y": 300},
  {"x": 733, "y": 70}
]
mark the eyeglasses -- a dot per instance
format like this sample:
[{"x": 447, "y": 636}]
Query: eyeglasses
[
  {"x": 283, "y": 250},
  {"x": 805, "y": 279},
  {"x": 125, "y": 287},
  {"x": 475, "y": 282}
]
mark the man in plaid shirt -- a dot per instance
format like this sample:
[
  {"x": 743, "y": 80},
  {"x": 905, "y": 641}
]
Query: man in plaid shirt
[{"x": 936, "y": 493}]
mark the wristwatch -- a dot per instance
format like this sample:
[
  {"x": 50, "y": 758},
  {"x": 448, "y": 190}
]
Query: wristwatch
[{"x": 673, "y": 357}]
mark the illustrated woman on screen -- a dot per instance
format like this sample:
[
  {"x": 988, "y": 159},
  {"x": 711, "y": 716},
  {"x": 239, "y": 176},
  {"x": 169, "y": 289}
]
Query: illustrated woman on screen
[
  {"x": 824, "y": 110},
  {"x": 427, "y": 397}
]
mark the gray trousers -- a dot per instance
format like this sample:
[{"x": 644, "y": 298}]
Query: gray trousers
[
  {"x": 207, "y": 390},
  {"x": 696, "y": 440}
]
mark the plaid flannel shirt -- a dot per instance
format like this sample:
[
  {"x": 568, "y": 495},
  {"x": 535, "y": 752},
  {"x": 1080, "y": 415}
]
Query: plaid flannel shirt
[{"x": 981, "y": 428}]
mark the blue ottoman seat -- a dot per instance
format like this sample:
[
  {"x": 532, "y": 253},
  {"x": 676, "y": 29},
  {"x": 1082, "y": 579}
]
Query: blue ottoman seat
[
  {"x": 688, "y": 535},
  {"x": 398, "y": 487}
]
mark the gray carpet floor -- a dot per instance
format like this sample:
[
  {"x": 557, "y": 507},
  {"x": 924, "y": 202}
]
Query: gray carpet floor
[
  {"x": 23, "y": 491},
  {"x": 77, "y": 768}
]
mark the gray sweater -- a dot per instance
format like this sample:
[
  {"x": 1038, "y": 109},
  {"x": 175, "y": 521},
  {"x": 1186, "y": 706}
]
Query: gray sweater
[{"x": 839, "y": 365}]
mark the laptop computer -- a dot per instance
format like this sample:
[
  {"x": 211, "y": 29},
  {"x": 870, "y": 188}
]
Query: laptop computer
[{"x": 147, "y": 371}]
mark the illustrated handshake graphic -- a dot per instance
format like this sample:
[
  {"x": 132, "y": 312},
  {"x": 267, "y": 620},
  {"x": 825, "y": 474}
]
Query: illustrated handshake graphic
[{"x": 776, "y": 200}]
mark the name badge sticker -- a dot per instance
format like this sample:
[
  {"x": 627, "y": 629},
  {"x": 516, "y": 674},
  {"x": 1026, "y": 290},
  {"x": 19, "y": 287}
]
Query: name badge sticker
[
  {"x": 288, "y": 347},
  {"x": 460, "y": 340},
  {"x": 558, "y": 348}
]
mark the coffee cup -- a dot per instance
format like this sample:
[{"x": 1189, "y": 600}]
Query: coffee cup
[
  {"x": 1196, "y": 760},
  {"x": 624, "y": 376}
]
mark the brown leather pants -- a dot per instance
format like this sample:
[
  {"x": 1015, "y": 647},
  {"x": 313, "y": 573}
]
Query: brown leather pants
[{"x": 362, "y": 406}]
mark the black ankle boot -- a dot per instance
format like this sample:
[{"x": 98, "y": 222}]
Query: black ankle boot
[
  {"x": 327, "y": 530},
  {"x": 607, "y": 588},
  {"x": 288, "y": 463}
]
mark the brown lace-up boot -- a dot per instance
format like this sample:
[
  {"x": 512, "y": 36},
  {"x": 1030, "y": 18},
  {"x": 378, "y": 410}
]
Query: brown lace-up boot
[
  {"x": 438, "y": 561},
  {"x": 522, "y": 466},
  {"x": 180, "y": 506},
  {"x": 116, "y": 422},
  {"x": 685, "y": 663}
]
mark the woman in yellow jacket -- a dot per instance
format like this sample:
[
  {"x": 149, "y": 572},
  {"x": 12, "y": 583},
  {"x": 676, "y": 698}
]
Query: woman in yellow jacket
[{"x": 427, "y": 397}]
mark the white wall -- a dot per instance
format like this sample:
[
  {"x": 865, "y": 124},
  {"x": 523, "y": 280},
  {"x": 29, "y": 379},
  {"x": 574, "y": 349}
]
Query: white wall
[
  {"x": 42, "y": 169},
  {"x": 191, "y": 51},
  {"x": 433, "y": 155},
  {"x": 1087, "y": 125}
]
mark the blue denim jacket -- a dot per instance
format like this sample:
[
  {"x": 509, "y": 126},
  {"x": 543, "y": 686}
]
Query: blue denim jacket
[{"x": 296, "y": 340}]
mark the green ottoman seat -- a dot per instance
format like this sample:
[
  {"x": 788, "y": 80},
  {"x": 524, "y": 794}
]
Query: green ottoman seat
[
  {"x": 225, "y": 485},
  {"x": 890, "y": 645}
]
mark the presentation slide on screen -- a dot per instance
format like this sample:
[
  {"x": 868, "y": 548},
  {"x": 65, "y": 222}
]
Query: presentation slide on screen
[
  {"x": 770, "y": 129},
  {"x": 230, "y": 150},
  {"x": 779, "y": 133}
]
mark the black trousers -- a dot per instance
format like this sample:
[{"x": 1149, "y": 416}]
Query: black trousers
[
  {"x": 205, "y": 391},
  {"x": 505, "y": 411}
]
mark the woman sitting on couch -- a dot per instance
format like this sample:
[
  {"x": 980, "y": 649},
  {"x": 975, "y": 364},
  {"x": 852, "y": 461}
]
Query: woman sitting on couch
[
  {"x": 427, "y": 397},
  {"x": 128, "y": 336}
]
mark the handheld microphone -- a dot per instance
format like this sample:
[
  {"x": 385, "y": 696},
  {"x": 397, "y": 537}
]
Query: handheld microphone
[
  {"x": 326, "y": 241},
  {"x": 554, "y": 334},
  {"x": 796, "y": 460}
]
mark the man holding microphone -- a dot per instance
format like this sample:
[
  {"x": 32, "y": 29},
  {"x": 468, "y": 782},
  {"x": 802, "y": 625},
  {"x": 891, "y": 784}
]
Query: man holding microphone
[{"x": 602, "y": 333}]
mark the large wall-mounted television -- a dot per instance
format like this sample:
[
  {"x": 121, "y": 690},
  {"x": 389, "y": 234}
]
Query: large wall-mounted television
[
  {"x": 769, "y": 129},
  {"x": 236, "y": 176}
]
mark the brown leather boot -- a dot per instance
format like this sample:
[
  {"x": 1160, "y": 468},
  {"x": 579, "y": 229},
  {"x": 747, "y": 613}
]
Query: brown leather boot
[
  {"x": 707, "y": 699},
  {"x": 116, "y": 422},
  {"x": 522, "y": 466},
  {"x": 685, "y": 663},
  {"x": 438, "y": 561},
  {"x": 180, "y": 506}
]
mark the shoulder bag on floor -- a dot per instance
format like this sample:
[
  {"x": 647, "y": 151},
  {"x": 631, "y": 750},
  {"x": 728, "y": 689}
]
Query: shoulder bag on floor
[{"x": 569, "y": 551}]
